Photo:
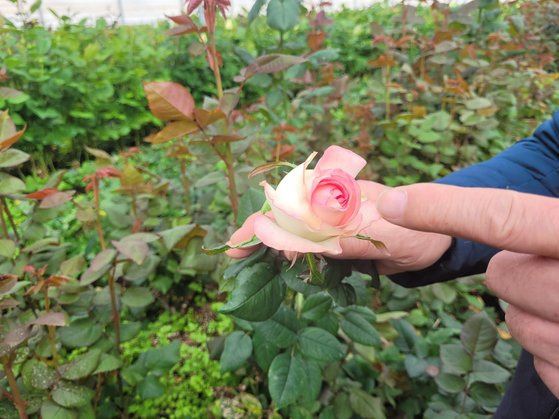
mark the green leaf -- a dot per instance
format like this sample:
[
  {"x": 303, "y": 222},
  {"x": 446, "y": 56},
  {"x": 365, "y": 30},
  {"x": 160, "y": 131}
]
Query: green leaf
[
  {"x": 99, "y": 266},
  {"x": 12, "y": 158},
  {"x": 313, "y": 382},
  {"x": 455, "y": 359},
  {"x": 264, "y": 351},
  {"x": 440, "y": 121},
  {"x": 316, "y": 306},
  {"x": 342, "y": 409},
  {"x": 137, "y": 297},
  {"x": 415, "y": 366},
  {"x": 82, "y": 366},
  {"x": 488, "y": 372},
  {"x": 255, "y": 10},
  {"x": 234, "y": 269},
  {"x": 257, "y": 295},
  {"x": 73, "y": 266},
  {"x": 108, "y": 363},
  {"x": 479, "y": 335},
  {"x": 357, "y": 325},
  {"x": 160, "y": 360},
  {"x": 286, "y": 379},
  {"x": 444, "y": 292},
  {"x": 174, "y": 235},
  {"x": 486, "y": 395},
  {"x": 135, "y": 250},
  {"x": 281, "y": 329},
  {"x": 365, "y": 405},
  {"x": 450, "y": 383},
  {"x": 71, "y": 395},
  {"x": 80, "y": 333},
  {"x": 150, "y": 388},
  {"x": 251, "y": 202},
  {"x": 37, "y": 375},
  {"x": 224, "y": 247},
  {"x": 129, "y": 329},
  {"x": 291, "y": 278},
  {"x": 7, "y": 248},
  {"x": 51, "y": 410},
  {"x": 407, "y": 337},
  {"x": 10, "y": 185},
  {"x": 282, "y": 14},
  {"x": 478, "y": 103},
  {"x": 318, "y": 344},
  {"x": 237, "y": 349}
]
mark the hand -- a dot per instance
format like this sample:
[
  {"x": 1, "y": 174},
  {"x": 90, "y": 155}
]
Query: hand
[
  {"x": 527, "y": 279},
  {"x": 407, "y": 249}
]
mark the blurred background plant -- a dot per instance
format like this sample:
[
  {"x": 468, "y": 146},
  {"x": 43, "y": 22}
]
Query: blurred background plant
[{"x": 110, "y": 307}]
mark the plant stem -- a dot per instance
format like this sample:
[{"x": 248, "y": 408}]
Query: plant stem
[
  {"x": 232, "y": 185},
  {"x": 51, "y": 331},
  {"x": 99, "y": 226},
  {"x": 386, "y": 71},
  {"x": 3, "y": 222},
  {"x": 217, "y": 74},
  {"x": 18, "y": 400},
  {"x": 185, "y": 185},
  {"x": 227, "y": 158},
  {"x": 10, "y": 218},
  {"x": 114, "y": 307}
]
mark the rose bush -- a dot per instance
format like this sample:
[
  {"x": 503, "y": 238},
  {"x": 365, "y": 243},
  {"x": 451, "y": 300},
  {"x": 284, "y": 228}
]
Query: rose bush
[{"x": 311, "y": 209}]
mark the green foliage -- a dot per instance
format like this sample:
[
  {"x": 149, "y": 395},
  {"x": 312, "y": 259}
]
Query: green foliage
[
  {"x": 188, "y": 389},
  {"x": 98, "y": 261}
]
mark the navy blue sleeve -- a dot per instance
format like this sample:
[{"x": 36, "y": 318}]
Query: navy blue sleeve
[{"x": 531, "y": 165}]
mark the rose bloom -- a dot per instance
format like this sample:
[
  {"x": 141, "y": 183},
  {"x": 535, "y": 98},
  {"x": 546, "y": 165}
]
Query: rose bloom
[{"x": 311, "y": 209}]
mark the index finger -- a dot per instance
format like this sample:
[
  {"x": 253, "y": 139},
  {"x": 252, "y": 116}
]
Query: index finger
[{"x": 505, "y": 219}]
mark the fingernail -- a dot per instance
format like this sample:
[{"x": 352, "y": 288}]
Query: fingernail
[{"x": 391, "y": 204}]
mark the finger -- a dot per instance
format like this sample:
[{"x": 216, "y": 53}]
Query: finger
[
  {"x": 371, "y": 189},
  {"x": 549, "y": 374},
  {"x": 526, "y": 281},
  {"x": 538, "y": 336},
  {"x": 505, "y": 219}
]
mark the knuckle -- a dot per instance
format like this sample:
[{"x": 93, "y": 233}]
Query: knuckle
[
  {"x": 504, "y": 218},
  {"x": 515, "y": 321},
  {"x": 494, "y": 272}
]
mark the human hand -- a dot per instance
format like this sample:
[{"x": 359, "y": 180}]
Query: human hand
[
  {"x": 407, "y": 249},
  {"x": 526, "y": 275}
]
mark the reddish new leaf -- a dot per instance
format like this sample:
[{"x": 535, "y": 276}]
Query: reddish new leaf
[
  {"x": 8, "y": 133},
  {"x": 50, "y": 319},
  {"x": 169, "y": 101},
  {"x": 7, "y": 282},
  {"x": 136, "y": 250},
  {"x": 192, "y": 5},
  {"x": 267, "y": 167},
  {"x": 57, "y": 199},
  {"x": 16, "y": 336},
  {"x": 173, "y": 130},
  {"x": 218, "y": 139},
  {"x": 41, "y": 194},
  {"x": 272, "y": 63},
  {"x": 181, "y": 19},
  {"x": 205, "y": 118}
]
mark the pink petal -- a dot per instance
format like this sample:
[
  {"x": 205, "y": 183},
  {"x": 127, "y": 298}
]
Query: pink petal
[
  {"x": 246, "y": 232},
  {"x": 336, "y": 157},
  {"x": 277, "y": 238}
]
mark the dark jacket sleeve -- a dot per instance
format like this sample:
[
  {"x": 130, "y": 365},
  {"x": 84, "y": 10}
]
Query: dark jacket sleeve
[{"x": 531, "y": 165}]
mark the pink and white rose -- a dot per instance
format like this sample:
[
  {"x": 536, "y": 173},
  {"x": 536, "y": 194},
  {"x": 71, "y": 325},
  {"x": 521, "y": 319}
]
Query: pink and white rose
[{"x": 311, "y": 209}]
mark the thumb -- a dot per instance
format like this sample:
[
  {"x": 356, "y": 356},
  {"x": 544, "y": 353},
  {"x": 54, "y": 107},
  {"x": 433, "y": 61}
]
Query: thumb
[{"x": 504, "y": 219}]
